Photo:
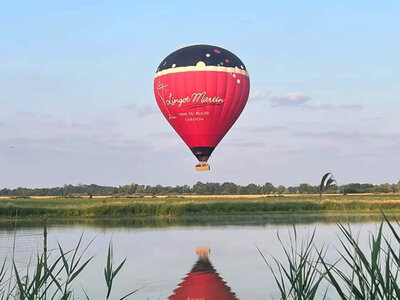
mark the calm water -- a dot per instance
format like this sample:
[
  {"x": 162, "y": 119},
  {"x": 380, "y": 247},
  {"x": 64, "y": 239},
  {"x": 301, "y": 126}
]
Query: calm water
[{"x": 160, "y": 252}]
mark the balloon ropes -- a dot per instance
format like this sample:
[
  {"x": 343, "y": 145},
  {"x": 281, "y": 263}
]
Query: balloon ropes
[{"x": 201, "y": 90}]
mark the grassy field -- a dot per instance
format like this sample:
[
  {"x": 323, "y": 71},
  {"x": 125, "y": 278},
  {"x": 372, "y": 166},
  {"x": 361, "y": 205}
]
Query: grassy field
[{"x": 196, "y": 205}]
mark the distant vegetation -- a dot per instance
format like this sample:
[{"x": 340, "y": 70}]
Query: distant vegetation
[
  {"x": 200, "y": 205},
  {"x": 209, "y": 188}
]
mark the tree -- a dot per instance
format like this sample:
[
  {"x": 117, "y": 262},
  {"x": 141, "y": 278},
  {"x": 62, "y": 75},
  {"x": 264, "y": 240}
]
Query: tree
[
  {"x": 357, "y": 188},
  {"x": 268, "y": 188},
  {"x": 131, "y": 189},
  {"x": 213, "y": 188},
  {"x": 229, "y": 188},
  {"x": 385, "y": 188},
  {"x": 158, "y": 189},
  {"x": 281, "y": 189},
  {"x": 251, "y": 189},
  {"x": 305, "y": 188},
  {"x": 186, "y": 189},
  {"x": 200, "y": 188},
  {"x": 139, "y": 189},
  {"x": 149, "y": 189}
]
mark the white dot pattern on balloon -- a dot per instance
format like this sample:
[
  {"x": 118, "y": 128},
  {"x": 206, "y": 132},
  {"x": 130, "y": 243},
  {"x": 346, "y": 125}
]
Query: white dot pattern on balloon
[
  {"x": 173, "y": 65},
  {"x": 208, "y": 55},
  {"x": 238, "y": 81},
  {"x": 234, "y": 75},
  {"x": 242, "y": 67},
  {"x": 200, "y": 64}
]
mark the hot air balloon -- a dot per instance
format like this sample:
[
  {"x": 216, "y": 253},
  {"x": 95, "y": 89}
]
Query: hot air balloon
[
  {"x": 203, "y": 282},
  {"x": 201, "y": 90}
]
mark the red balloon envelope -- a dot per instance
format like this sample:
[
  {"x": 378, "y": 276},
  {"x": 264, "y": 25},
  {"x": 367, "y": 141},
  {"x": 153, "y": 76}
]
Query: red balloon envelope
[
  {"x": 201, "y": 91},
  {"x": 204, "y": 283}
]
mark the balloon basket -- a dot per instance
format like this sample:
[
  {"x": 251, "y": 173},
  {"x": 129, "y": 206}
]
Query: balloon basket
[
  {"x": 202, "y": 251},
  {"x": 202, "y": 168}
]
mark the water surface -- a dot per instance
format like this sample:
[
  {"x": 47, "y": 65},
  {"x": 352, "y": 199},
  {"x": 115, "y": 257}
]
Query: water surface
[{"x": 160, "y": 252}]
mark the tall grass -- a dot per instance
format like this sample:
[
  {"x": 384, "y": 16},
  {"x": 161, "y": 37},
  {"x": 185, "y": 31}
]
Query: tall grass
[
  {"x": 199, "y": 206},
  {"x": 110, "y": 273},
  {"x": 300, "y": 278},
  {"x": 3, "y": 272},
  {"x": 374, "y": 272},
  {"x": 360, "y": 274},
  {"x": 45, "y": 281}
]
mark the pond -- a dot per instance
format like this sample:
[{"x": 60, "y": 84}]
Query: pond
[{"x": 161, "y": 252}]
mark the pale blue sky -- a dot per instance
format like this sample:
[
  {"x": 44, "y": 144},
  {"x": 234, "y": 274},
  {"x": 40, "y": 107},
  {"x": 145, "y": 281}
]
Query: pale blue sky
[{"x": 77, "y": 104}]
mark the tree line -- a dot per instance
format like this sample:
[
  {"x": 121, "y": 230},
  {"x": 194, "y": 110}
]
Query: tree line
[{"x": 200, "y": 188}]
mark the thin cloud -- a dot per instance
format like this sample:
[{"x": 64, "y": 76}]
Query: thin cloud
[
  {"x": 259, "y": 95},
  {"x": 303, "y": 101},
  {"x": 272, "y": 128},
  {"x": 166, "y": 134},
  {"x": 141, "y": 110},
  {"x": 291, "y": 99},
  {"x": 66, "y": 124},
  {"x": 25, "y": 114},
  {"x": 335, "y": 107},
  {"x": 373, "y": 119},
  {"x": 45, "y": 116},
  {"x": 333, "y": 135},
  {"x": 245, "y": 144},
  {"x": 382, "y": 136},
  {"x": 33, "y": 115}
]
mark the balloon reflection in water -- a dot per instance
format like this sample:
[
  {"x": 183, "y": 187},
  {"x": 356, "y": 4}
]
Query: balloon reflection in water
[{"x": 203, "y": 282}]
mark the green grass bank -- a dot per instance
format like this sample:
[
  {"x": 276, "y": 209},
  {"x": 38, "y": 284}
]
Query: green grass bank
[{"x": 205, "y": 205}]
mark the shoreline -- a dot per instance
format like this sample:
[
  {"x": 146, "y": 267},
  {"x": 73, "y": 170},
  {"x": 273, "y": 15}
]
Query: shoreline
[
  {"x": 67, "y": 208},
  {"x": 250, "y": 219}
]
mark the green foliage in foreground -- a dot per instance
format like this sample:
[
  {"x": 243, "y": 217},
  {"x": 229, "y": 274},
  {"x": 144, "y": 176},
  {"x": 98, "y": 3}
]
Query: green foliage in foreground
[
  {"x": 301, "y": 272},
  {"x": 180, "y": 206},
  {"x": 360, "y": 274},
  {"x": 44, "y": 281}
]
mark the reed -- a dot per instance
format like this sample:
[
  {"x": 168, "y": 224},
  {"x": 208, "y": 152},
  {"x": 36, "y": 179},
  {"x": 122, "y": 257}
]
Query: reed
[
  {"x": 300, "y": 277},
  {"x": 43, "y": 282},
  {"x": 359, "y": 274},
  {"x": 374, "y": 272},
  {"x": 111, "y": 207}
]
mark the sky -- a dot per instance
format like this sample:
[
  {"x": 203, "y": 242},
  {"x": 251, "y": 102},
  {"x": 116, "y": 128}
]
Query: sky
[{"x": 77, "y": 102}]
